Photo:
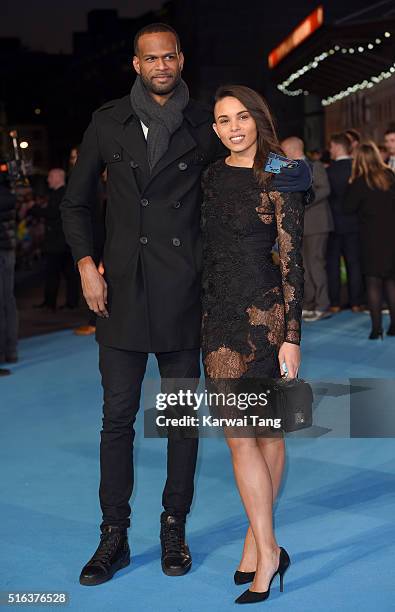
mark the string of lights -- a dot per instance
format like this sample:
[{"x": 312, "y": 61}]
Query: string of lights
[
  {"x": 366, "y": 84},
  {"x": 283, "y": 87}
]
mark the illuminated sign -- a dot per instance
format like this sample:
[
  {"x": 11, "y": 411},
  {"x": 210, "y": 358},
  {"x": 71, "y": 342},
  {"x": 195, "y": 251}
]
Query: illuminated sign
[{"x": 300, "y": 33}]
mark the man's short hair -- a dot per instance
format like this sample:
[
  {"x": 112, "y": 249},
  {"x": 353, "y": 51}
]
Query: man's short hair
[
  {"x": 341, "y": 138},
  {"x": 154, "y": 28},
  {"x": 354, "y": 134},
  {"x": 390, "y": 129}
]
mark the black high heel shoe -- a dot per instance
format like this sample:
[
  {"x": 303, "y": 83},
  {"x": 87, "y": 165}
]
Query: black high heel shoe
[
  {"x": 254, "y": 596},
  {"x": 377, "y": 333},
  {"x": 243, "y": 577}
]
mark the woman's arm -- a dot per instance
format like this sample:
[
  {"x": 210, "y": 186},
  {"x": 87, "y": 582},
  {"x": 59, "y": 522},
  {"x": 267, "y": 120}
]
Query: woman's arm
[{"x": 289, "y": 211}]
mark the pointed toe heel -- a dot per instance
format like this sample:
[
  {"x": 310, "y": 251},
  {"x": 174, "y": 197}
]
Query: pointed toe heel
[{"x": 255, "y": 596}]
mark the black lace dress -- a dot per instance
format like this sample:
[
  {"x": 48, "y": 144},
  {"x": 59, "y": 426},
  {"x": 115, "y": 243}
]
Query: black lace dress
[{"x": 250, "y": 304}]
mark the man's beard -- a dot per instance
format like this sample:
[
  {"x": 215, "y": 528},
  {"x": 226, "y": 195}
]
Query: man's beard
[{"x": 161, "y": 90}]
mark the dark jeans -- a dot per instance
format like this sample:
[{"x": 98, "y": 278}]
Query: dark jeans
[
  {"x": 8, "y": 312},
  {"x": 122, "y": 376},
  {"x": 348, "y": 246},
  {"x": 56, "y": 265}
]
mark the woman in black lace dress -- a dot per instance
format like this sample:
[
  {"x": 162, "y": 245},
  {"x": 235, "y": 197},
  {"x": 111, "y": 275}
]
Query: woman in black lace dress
[{"x": 251, "y": 307}]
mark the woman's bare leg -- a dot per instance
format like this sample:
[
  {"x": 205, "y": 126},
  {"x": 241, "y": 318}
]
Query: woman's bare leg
[
  {"x": 273, "y": 451},
  {"x": 256, "y": 489}
]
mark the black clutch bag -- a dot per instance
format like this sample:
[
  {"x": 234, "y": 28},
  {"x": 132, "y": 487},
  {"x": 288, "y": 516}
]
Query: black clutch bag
[{"x": 293, "y": 403}]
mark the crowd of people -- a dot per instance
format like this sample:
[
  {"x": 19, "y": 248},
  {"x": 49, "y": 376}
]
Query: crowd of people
[
  {"x": 350, "y": 221},
  {"x": 32, "y": 237}
]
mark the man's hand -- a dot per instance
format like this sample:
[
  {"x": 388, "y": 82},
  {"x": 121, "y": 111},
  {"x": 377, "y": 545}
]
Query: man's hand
[
  {"x": 293, "y": 179},
  {"x": 290, "y": 353},
  {"x": 94, "y": 287}
]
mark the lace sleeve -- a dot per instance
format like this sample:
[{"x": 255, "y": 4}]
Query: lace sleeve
[{"x": 289, "y": 211}]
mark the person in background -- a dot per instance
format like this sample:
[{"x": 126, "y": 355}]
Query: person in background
[
  {"x": 57, "y": 254},
  {"x": 344, "y": 240},
  {"x": 314, "y": 155},
  {"x": 325, "y": 158},
  {"x": 73, "y": 157},
  {"x": 355, "y": 139},
  {"x": 389, "y": 141},
  {"x": 318, "y": 222},
  {"x": 371, "y": 195},
  {"x": 383, "y": 153},
  {"x": 8, "y": 311},
  {"x": 98, "y": 231}
]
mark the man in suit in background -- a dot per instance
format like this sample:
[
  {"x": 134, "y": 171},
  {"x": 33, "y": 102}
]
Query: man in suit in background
[
  {"x": 389, "y": 141},
  {"x": 344, "y": 240},
  {"x": 56, "y": 252},
  {"x": 318, "y": 223}
]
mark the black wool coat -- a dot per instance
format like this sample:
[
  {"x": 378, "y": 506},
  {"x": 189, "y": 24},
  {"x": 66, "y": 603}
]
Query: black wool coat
[{"x": 152, "y": 252}]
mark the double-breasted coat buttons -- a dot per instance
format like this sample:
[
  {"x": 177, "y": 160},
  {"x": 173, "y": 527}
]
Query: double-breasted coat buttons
[
  {"x": 176, "y": 204},
  {"x": 143, "y": 239},
  {"x": 176, "y": 242},
  {"x": 116, "y": 156},
  {"x": 144, "y": 202},
  {"x": 182, "y": 166}
]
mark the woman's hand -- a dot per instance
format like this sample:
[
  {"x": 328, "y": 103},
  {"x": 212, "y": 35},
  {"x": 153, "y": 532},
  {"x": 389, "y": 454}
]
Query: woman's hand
[{"x": 290, "y": 353}]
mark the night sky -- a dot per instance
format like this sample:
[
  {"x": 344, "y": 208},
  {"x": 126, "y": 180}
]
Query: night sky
[{"x": 47, "y": 25}]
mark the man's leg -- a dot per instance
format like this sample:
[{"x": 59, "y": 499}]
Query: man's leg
[
  {"x": 72, "y": 280},
  {"x": 318, "y": 246},
  {"x": 309, "y": 289},
  {"x": 52, "y": 279},
  {"x": 181, "y": 463},
  {"x": 122, "y": 375},
  {"x": 181, "y": 453}
]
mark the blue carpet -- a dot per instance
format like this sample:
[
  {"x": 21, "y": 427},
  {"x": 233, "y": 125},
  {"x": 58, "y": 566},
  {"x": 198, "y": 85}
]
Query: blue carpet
[{"x": 335, "y": 513}]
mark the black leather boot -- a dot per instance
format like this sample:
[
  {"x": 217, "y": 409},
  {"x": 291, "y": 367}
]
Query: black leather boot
[
  {"x": 111, "y": 555},
  {"x": 176, "y": 558}
]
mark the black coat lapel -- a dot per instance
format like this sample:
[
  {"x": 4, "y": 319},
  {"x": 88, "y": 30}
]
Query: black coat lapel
[
  {"x": 131, "y": 138},
  {"x": 181, "y": 142}
]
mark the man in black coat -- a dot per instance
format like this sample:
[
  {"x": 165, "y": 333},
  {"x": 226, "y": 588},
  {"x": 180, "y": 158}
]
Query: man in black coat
[
  {"x": 8, "y": 311},
  {"x": 344, "y": 240},
  {"x": 58, "y": 258},
  {"x": 155, "y": 144}
]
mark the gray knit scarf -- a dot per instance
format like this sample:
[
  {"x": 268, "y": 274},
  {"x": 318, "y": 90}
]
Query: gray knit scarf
[{"x": 162, "y": 121}]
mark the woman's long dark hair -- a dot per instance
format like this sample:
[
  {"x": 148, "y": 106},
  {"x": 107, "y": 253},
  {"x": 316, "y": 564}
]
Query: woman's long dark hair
[{"x": 267, "y": 137}]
